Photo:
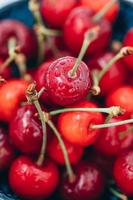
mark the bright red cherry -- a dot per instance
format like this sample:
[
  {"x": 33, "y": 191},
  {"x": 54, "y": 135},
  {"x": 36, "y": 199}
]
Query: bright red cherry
[
  {"x": 26, "y": 130},
  {"x": 55, "y": 13},
  {"x": 64, "y": 89},
  {"x": 11, "y": 95},
  {"x": 24, "y": 37},
  {"x": 74, "y": 126},
  {"x": 114, "y": 77},
  {"x": 7, "y": 153},
  {"x": 30, "y": 181},
  {"x": 122, "y": 97},
  {"x": 89, "y": 183},
  {"x": 112, "y": 141},
  {"x": 7, "y": 72},
  {"x": 77, "y": 23},
  {"x": 55, "y": 152},
  {"x": 123, "y": 172}
]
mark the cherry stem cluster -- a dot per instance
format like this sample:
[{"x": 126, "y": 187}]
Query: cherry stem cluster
[{"x": 117, "y": 194}]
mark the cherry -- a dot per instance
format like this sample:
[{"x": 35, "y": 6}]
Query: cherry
[
  {"x": 55, "y": 152},
  {"x": 7, "y": 153},
  {"x": 122, "y": 97},
  {"x": 123, "y": 172},
  {"x": 11, "y": 94},
  {"x": 116, "y": 74},
  {"x": 114, "y": 140},
  {"x": 55, "y": 13},
  {"x": 25, "y": 38},
  {"x": 74, "y": 126},
  {"x": 7, "y": 73},
  {"x": 77, "y": 23},
  {"x": 26, "y": 131},
  {"x": 88, "y": 184},
  {"x": 30, "y": 181}
]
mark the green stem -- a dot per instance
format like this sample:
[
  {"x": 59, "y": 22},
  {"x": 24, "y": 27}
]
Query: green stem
[{"x": 117, "y": 194}]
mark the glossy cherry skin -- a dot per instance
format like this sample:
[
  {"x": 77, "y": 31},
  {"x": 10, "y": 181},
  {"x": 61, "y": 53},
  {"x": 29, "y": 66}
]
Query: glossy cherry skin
[
  {"x": 96, "y": 6},
  {"x": 123, "y": 172},
  {"x": 77, "y": 23},
  {"x": 7, "y": 72},
  {"x": 122, "y": 97},
  {"x": 7, "y": 153},
  {"x": 61, "y": 87},
  {"x": 25, "y": 38},
  {"x": 114, "y": 77},
  {"x": 112, "y": 141},
  {"x": 29, "y": 181},
  {"x": 55, "y": 13},
  {"x": 128, "y": 41},
  {"x": 26, "y": 131},
  {"x": 55, "y": 152},
  {"x": 89, "y": 183},
  {"x": 11, "y": 94},
  {"x": 75, "y": 126}
]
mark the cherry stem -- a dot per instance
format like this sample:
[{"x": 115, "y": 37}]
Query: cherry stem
[
  {"x": 117, "y": 194},
  {"x": 89, "y": 37},
  {"x": 108, "y": 125},
  {"x": 68, "y": 165},
  {"x": 32, "y": 97},
  {"x": 103, "y": 11},
  {"x": 114, "y": 110}
]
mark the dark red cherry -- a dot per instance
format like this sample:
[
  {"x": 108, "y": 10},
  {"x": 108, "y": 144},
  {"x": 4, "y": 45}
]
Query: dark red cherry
[
  {"x": 7, "y": 153},
  {"x": 89, "y": 183},
  {"x": 114, "y": 77},
  {"x": 7, "y": 72},
  {"x": 123, "y": 172},
  {"x": 23, "y": 35},
  {"x": 30, "y": 181},
  {"x": 77, "y": 23},
  {"x": 56, "y": 12},
  {"x": 112, "y": 141},
  {"x": 26, "y": 130},
  {"x": 62, "y": 88}
]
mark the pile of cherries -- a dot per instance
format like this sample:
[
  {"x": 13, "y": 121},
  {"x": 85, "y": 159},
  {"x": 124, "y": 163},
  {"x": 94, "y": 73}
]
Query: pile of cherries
[{"x": 66, "y": 122}]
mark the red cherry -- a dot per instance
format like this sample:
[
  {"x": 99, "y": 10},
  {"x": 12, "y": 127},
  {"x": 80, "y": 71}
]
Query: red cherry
[
  {"x": 114, "y": 77},
  {"x": 122, "y": 97},
  {"x": 26, "y": 130},
  {"x": 89, "y": 183},
  {"x": 7, "y": 73},
  {"x": 24, "y": 37},
  {"x": 74, "y": 126},
  {"x": 77, "y": 23},
  {"x": 55, "y": 152},
  {"x": 114, "y": 140},
  {"x": 61, "y": 87},
  {"x": 55, "y": 13},
  {"x": 123, "y": 172},
  {"x": 30, "y": 181},
  {"x": 7, "y": 153},
  {"x": 11, "y": 94}
]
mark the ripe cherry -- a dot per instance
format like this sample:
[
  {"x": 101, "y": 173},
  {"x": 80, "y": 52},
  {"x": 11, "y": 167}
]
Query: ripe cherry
[
  {"x": 25, "y": 38},
  {"x": 26, "y": 130},
  {"x": 55, "y": 152},
  {"x": 112, "y": 141},
  {"x": 75, "y": 126},
  {"x": 11, "y": 94},
  {"x": 30, "y": 181},
  {"x": 55, "y": 13},
  {"x": 123, "y": 172},
  {"x": 88, "y": 184},
  {"x": 7, "y": 72}
]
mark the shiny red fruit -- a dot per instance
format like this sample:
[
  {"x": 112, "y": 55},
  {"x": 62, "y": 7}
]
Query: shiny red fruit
[
  {"x": 29, "y": 181},
  {"x": 77, "y": 23},
  {"x": 26, "y": 130},
  {"x": 11, "y": 95},
  {"x": 55, "y": 152},
  {"x": 75, "y": 126},
  {"x": 55, "y": 13},
  {"x": 123, "y": 172},
  {"x": 61, "y": 87},
  {"x": 89, "y": 183}
]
